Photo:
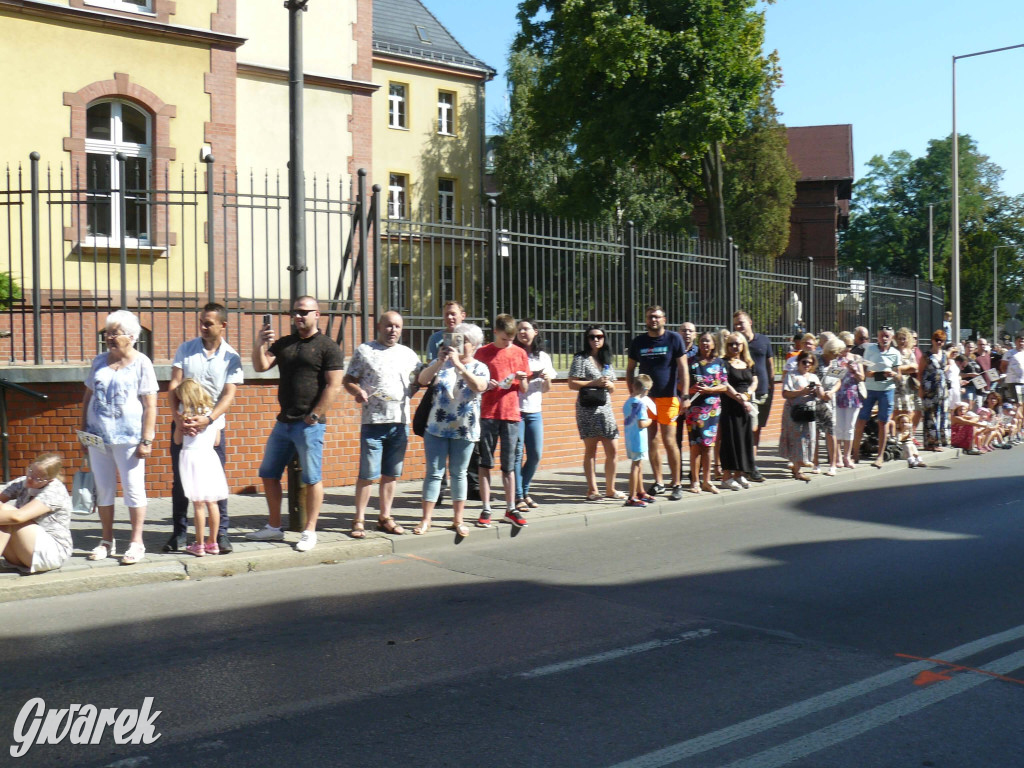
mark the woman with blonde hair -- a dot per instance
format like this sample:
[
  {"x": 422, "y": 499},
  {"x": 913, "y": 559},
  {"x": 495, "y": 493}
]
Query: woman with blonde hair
[
  {"x": 905, "y": 399},
  {"x": 848, "y": 400},
  {"x": 830, "y": 372},
  {"x": 35, "y": 517},
  {"x": 736, "y": 426},
  {"x": 800, "y": 388}
]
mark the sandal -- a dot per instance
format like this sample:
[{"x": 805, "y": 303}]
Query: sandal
[
  {"x": 618, "y": 495},
  {"x": 388, "y": 525},
  {"x": 709, "y": 488},
  {"x": 521, "y": 505},
  {"x": 531, "y": 503},
  {"x": 594, "y": 497},
  {"x": 133, "y": 554},
  {"x": 460, "y": 530},
  {"x": 420, "y": 529},
  {"x": 358, "y": 531},
  {"x": 103, "y": 551},
  {"x": 694, "y": 488}
]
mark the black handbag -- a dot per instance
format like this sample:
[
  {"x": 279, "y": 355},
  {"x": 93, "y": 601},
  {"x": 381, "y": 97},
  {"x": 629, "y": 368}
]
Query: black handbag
[
  {"x": 593, "y": 397},
  {"x": 421, "y": 418},
  {"x": 802, "y": 413}
]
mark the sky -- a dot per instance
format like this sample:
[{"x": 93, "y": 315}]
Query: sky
[{"x": 884, "y": 66}]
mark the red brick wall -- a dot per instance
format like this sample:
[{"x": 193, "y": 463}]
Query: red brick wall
[{"x": 43, "y": 426}]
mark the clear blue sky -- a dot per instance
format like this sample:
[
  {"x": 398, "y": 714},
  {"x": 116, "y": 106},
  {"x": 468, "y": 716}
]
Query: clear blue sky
[{"x": 882, "y": 65}]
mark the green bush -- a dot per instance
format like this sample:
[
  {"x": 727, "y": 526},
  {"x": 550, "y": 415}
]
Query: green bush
[{"x": 10, "y": 291}]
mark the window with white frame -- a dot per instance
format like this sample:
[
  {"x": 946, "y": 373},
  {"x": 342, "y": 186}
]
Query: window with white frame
[
  {"x": 446, "y": 113},
  {"x": 446, "y": 200},
  {"x": 397, "y": 105},
  {"x": 397, "y": 186},
  {"x": 113, "y": 127},
  {"x": 447, "y": 288},
  {"x": 133, "y": 6},
  {"x": 397, "y": 298}
]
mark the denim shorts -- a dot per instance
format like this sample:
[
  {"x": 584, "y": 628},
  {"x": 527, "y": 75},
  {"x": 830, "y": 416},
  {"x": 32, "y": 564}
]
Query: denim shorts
[
  {"x": 491, "y": 430},
  {"x": 289, "y": 438},
  {"x": 382, "y": 450},
  {"x": 884, "y": 400}
]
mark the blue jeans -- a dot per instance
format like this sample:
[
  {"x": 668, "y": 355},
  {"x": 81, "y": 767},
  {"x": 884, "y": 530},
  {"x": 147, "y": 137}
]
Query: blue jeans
[
  {"x": 382, "y": 450},
  {"x": 289, "y": 438},
  {"x": 531, "y": 439},
  {"x": 456, "y": 453}
]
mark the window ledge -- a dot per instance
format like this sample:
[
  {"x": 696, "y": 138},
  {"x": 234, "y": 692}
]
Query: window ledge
[
  {"x": 398, "y": 127},
  {"x": 114, "y": 250},
  {"x": 445, "y": 133}
]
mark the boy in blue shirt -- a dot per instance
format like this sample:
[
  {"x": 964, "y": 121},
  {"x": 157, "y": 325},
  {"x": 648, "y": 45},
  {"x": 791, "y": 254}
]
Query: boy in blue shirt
[{"x": 637, "y": 420}]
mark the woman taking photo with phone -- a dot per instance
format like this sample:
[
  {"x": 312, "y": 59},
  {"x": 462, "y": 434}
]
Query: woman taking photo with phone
[{"x": 531, "y": 428}]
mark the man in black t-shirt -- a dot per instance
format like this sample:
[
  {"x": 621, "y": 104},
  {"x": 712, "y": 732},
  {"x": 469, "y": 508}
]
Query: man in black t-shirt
[
  {"x": 311, "y": 369},
  {"x": 760, "y": 347},
  {"x": 661, "y": 355}
]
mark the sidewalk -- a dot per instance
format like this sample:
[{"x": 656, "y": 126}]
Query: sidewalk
[{"x": 560, "y": 493}]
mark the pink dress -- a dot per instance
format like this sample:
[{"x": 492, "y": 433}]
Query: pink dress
[{"x": 202, "y": 476}]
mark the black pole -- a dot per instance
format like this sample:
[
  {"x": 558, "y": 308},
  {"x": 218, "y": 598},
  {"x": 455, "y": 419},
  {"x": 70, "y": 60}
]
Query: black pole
[
  {"x": 296, "y": 174},
  {"x": 122, "y": 210},
  {"x": 37, "y": 314},
  {"x": 211, "y": 262}
]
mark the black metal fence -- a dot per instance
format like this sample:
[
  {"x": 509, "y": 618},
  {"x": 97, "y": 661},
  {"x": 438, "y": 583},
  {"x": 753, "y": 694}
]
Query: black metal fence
[{"x": 217, "y": 235}]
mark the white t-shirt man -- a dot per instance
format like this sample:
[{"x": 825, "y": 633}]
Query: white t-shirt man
[{"x": 388, "y": 375}]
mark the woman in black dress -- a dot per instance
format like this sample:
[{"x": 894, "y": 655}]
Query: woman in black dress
[{"x": 736, "y": 428}]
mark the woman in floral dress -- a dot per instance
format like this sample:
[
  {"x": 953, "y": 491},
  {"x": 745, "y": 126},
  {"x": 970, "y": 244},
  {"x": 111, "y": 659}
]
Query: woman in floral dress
[
  {"x": 708, "y": 380},
  {"x": 933, "y": 392}
]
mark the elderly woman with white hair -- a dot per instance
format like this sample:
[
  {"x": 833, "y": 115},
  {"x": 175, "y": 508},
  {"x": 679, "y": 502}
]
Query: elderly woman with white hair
[{"x": 119, "y": 408}]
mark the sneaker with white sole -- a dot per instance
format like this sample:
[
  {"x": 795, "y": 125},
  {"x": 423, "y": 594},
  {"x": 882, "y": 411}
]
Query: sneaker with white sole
[
  {"x": 731, "y": 485},
  {"x": 266, "y": 533},
  {"x": 744, "y": 483},
  {"x": 306, "y": 541}
]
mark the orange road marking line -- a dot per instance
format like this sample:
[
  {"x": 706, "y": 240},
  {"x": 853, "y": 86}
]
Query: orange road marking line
[{"x": 957, "y": 667}]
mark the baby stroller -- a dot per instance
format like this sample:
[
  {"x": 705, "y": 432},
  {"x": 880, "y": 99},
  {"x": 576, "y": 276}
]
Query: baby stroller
[{"x": 869, "y": 442}]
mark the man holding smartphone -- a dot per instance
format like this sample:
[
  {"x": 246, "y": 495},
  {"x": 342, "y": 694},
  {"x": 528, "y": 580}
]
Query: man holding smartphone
[
  {"x": 880, "y": 363},
  {"x": 217, "y": 367}
]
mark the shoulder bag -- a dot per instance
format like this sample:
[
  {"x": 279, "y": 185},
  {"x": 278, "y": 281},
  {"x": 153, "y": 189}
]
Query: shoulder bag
[
  {"x": 593, "y": 397},
  {"x": 421, "y": 418}
]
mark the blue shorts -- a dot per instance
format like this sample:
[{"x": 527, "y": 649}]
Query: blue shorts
[
  {"x": 637, "y": 455},
  {"x": 382, "y": 450},
  {"x": 289, "y": 438},
  {"x": 884, "y": 400},
  {"x": 491, "y": 432}
]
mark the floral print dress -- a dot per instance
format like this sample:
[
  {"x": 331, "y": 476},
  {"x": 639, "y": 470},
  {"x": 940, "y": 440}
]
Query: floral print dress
[{"x": 705, "y": 410}]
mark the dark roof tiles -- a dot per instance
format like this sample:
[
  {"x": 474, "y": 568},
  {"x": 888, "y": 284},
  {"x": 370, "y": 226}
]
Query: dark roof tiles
[{"x": 407, "y": 28}]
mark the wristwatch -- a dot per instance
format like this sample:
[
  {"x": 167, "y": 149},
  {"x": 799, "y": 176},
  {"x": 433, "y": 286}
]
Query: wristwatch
[
  {"x": 146, "y": 442},
  {"x": 315, "y": 417}
]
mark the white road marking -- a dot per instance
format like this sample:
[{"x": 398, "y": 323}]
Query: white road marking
[
  {"x": 598, "y": 658},
  {"x": 873, "y": 718},
  {"x": 729, "y": 734}
]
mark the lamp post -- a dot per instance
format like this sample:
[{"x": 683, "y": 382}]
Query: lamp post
[
  {"x": 931, "y": 242},
  {"x": 956, "y": 193},
  {"x": 296, "y": 172},
  {"x": 995, "y": 292}
]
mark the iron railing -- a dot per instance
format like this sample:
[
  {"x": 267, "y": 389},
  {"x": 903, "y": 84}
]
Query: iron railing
[{"x": 564, "y": 274}]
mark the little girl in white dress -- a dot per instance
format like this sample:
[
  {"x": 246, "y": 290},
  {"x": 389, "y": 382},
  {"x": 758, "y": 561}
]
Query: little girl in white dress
[{"x": 202, "y": 476}]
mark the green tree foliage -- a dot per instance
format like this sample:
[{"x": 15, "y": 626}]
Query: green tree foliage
[
  {"x": 620, "y": 108},
  {"x": 889, "y": 224},
  {"x": 10, "y": 291}
]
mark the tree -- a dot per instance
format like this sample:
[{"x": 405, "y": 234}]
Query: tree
[
  {"x": 625, "y": 90},
  {"x": 889, "y": 224}
]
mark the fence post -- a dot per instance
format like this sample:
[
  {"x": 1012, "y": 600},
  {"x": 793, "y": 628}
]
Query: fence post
[
  {"x": 492, "y": 223},
  {"x": 37, "y": 314},
  {"x": 211, "y": 262},
  {"x": 868, "y": 302},
  {"x": 629, "y": 273},
  {"x": 809, "y": 320},
  {"x": 375, "y": 216},
  {"x": 917, "y": 310},
  {"x": 363, "y": 219},
  {"x": 733, "y": 276},
  {"x": 122, "y": 211}
]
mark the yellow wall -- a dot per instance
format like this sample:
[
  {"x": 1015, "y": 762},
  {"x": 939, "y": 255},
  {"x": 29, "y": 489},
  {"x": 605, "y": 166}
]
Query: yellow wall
[
  {"x": 191, "y": 13},
  {"x": 42, "y": 59},
  {"x": 328, "y": 47},
  {"x": 420, "y": 151}
]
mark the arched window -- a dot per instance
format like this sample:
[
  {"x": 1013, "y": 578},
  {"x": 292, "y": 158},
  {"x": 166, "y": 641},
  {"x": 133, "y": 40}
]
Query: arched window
[{"x": 114, "y": 127}]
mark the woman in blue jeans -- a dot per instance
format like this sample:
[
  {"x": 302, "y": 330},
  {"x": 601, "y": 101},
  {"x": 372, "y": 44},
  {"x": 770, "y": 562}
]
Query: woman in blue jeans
[
  {"x": 454, "y": 425},
  {"x": 531, "y": 428}
]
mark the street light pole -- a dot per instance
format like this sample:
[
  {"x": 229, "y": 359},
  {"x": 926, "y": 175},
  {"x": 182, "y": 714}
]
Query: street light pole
[
  {"x": 956, "y": 194},
  {"x": 296, "y": 172},
  {"x": 931, "y": 243}
]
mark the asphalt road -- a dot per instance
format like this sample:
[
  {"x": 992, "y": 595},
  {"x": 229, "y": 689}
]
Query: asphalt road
[{"x": 786, "y": 633}]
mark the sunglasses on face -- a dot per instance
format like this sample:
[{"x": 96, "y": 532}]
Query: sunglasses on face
[
  {"x": 596, "y": 336},
  {"x": 302, "y": 312}
]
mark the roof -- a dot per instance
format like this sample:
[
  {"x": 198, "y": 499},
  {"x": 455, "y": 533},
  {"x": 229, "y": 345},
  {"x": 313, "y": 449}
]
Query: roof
[
  {"x": 822, "y": 152},
  {"x": 406, "y": 28}
]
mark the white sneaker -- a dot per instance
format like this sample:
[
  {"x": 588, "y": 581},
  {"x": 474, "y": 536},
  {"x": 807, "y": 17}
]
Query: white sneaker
[
  {"x": 306, "y": 541},
  {"x": 266, "y": 533},
  {"x": 730, "y": 485},
  {"x": 744, "y": 483}
]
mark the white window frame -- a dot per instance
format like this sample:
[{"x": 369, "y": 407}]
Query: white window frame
[
  {"x": 123, "y": 5},
  {"x": 398, "y": 195},
  {"x": 398, "y": 106},
  {"x": 446, "y": 113},
  {"x": 397, "y": 285},
  {"x": 446, "y": 201},
  {"x": 110, "y": 148}
]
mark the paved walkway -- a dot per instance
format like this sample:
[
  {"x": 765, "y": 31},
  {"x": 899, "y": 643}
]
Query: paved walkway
[{"x": 560, "y": 493}]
